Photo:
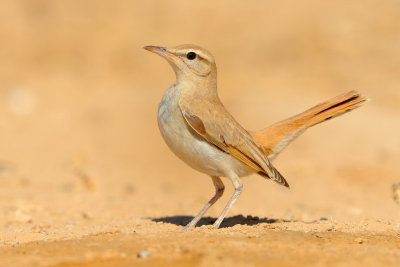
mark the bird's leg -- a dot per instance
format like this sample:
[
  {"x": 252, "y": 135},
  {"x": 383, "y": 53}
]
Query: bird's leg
[
  {"x": 237, "y": 183},
  {"x": 219, "y": 190}
]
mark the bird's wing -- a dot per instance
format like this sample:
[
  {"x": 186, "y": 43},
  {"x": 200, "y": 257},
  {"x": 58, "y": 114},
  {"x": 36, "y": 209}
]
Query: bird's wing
[{"x": 212, "y": 122}]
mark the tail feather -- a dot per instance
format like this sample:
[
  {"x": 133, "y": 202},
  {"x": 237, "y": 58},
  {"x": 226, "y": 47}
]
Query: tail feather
[
  {"x": 334, "y": 107},
  {"x": 277, "y": 136}
]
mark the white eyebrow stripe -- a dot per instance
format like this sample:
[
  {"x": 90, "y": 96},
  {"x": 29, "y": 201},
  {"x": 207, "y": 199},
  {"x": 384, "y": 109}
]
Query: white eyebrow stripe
[
  {"x": 201, "y": 54},
  {"x": 184, "y": 52}
]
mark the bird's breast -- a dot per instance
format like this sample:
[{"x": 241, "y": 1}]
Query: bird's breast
[
  {"x": 193, "y": 149},
  {"x": 175, "y": 131}
]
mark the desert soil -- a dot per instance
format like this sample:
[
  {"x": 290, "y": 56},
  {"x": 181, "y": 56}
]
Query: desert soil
[{"x": 86, "y": 179}]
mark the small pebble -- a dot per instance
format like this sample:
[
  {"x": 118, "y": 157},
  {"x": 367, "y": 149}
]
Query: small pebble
[
  {"x": 396, "y": 192},
  {"x": 359, "y": 240},
  {"x": 143, "y": 254}
]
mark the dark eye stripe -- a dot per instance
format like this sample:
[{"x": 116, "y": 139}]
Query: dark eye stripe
[{"x": 191, "y": 55}]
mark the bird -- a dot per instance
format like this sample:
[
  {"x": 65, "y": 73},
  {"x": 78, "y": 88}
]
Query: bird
[{"x": 200, "y": 131}]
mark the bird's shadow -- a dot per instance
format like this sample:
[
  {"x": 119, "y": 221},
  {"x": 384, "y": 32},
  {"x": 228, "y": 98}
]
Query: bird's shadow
[{"x": 182, "y": 220}]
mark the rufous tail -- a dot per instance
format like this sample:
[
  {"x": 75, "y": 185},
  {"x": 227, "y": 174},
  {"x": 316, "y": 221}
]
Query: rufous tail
[{"x": 277, "y": 136}]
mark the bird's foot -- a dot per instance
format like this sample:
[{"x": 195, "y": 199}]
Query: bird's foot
[
  {"x": 217, "y": 224},
  {"x": 185, "y": 228}
]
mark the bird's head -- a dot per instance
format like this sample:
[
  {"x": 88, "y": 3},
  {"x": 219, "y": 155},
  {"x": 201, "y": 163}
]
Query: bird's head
[{"x": 190, "y": 62}]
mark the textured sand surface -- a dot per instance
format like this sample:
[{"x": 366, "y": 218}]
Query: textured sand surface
[{"x": 86, "y": 179}]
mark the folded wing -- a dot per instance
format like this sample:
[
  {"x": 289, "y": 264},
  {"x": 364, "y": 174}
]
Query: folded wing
[{"x": 213, "y": 123}]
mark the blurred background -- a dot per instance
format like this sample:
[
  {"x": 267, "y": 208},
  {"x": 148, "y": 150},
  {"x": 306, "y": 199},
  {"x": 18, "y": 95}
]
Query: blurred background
[{"x": 80, "y": 150}]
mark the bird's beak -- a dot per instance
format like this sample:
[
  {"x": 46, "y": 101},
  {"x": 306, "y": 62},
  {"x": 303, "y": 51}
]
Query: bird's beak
[
  {"x": 156, "y": 49},
  {"x": 162, "y": 51}
]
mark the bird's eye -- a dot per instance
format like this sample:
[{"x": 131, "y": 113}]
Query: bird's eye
[{"x": 191, "y": 55}]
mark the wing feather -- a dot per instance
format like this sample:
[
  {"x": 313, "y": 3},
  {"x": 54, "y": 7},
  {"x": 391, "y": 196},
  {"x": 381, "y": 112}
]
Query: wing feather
[{"x": 219, "y": 128}]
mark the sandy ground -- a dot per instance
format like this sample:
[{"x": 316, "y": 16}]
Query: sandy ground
[{"x": 86, "y": 179}]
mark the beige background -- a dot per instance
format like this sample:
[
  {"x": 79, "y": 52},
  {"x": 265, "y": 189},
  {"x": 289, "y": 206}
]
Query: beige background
[{"x": 80, "y": 151}]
